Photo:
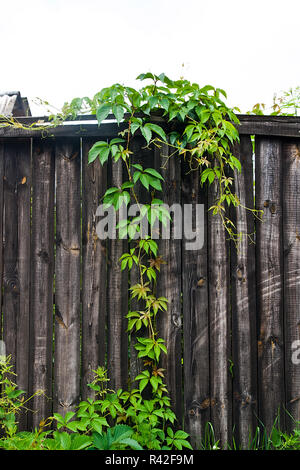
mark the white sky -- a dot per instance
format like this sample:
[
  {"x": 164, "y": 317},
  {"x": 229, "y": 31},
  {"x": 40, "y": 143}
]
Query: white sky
[{"x": 60, "y": 49}]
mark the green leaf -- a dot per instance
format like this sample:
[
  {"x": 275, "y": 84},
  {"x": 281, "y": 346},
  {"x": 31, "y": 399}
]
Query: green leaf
[
  {"x": 155, "y": 183},
  {"x": 128, "y": 185},
  {"x": 164, "y": 102},
  {"x": 134, "y": 127},
  {"x": 154, "y": 173},
  {"x": 94, "y": 151},
  {"x": 157, "y": 129},
  {"x": 117, "y": 140},
  {"x": 102, "y": 112},
  {"x": 236, "y": 163},
  {"x": 103, "y": 155},
  {"x": 145, "y": 180},
  {"x": 69, "y": 415},
  {"x": 118, "y": 112},
  {"x": 138, "y": 167},
  {"x": 147, "y": 134},
  {"x": 143, "y": 383},
  {"x": 144, "y": 76},
  {"x": 65, "y": 440},
  {"x": 80, "y": 442},
  {"x": 111, "y": 191},
  {"x": 133, "y": 444},
  {"x": 154, "y": 383}
]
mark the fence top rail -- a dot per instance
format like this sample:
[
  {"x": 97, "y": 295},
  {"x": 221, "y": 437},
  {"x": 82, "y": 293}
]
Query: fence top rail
[{"x": 86, "y": 126}]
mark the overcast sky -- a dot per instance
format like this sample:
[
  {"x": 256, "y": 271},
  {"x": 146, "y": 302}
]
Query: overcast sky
[{"x": 61, "y": 49}]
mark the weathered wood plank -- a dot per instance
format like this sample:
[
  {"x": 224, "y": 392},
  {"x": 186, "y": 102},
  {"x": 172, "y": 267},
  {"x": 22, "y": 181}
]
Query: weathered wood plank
[
  {"x": 268, "y": 163},
  {"x": 169, "y": 285},
  {"x": 195, "y": 314},
  {"x": 144, "y": 157},
  {"x": 243, "y": 301},
  {"x": 291, "y": 261},
  {"x": 93, "y": 271},
  {"x": 117, "y": 302},
  {"x": 16, "y": 276},
  {"x": 67, "y": 277},
  {"x": 219, "y": 324},
  {"x": 42, "y": 269}
]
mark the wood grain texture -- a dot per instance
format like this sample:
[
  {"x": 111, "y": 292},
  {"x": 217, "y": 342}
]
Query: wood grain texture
[
  {"x": 243, "y": 300},
  {"x": 16, "y": 271},
  {"x": 219, "y": 324},
  {"x": 291, "y": 262},
  {"x": 117, "y": 302},
  {"x": 169, "y": 285},
  {"x": 93, "y": 272},
  {"x": 67, "y": 277},
  {"x": 269, "y": 263},
  {"x": 42, "y": 270},
  {"x": 145, "y": 157},
  {"x": 195, "y": 316}
]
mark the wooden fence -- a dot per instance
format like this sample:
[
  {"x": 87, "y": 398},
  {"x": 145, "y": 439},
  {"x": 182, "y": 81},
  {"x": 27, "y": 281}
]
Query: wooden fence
[{"x": 233, "y": 320}]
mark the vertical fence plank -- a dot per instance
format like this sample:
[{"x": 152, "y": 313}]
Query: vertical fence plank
[
  {"x": 16, "y": 276},
  {"x": 195, "y": 315},
  {"x": 244, "y": 340},
  {"x": 269, "y": 261},
  {"x": 145, "y": 157},
  {"x": 219, "y": 324},
  {"x": 169, "y": 285},
  {"x": 42, "y": 268},
  {"x": 67, "y": 277},
  {"x": 93, "y": 272},
  {"x": 117, "y": 303},
  {"x": 291, "y": 241}
]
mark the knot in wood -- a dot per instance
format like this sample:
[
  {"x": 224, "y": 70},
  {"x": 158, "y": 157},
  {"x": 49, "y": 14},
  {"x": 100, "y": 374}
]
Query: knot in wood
[{"x": 176, "y": 320}]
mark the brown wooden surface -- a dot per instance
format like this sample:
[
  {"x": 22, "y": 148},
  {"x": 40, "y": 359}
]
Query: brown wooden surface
[
  {"x": 243, "y": 301},
  {"x": 195, "y": 317},
  {"x": 16, "y": 271},
  {"x": 42, "y": 269},
  {"x": 93, "y": 271},
  {"x": 67, "y": 277},
  {"x": 197, "y": 285},
  {"x": 117, "y": 302},
  {"x": 219, "y": 324},
  {"x": 291, "y": 245},
  {"x": 170, "y": 323},
  {"x": 144, "y": 157},
  {"x": 269, "y": 263}
]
